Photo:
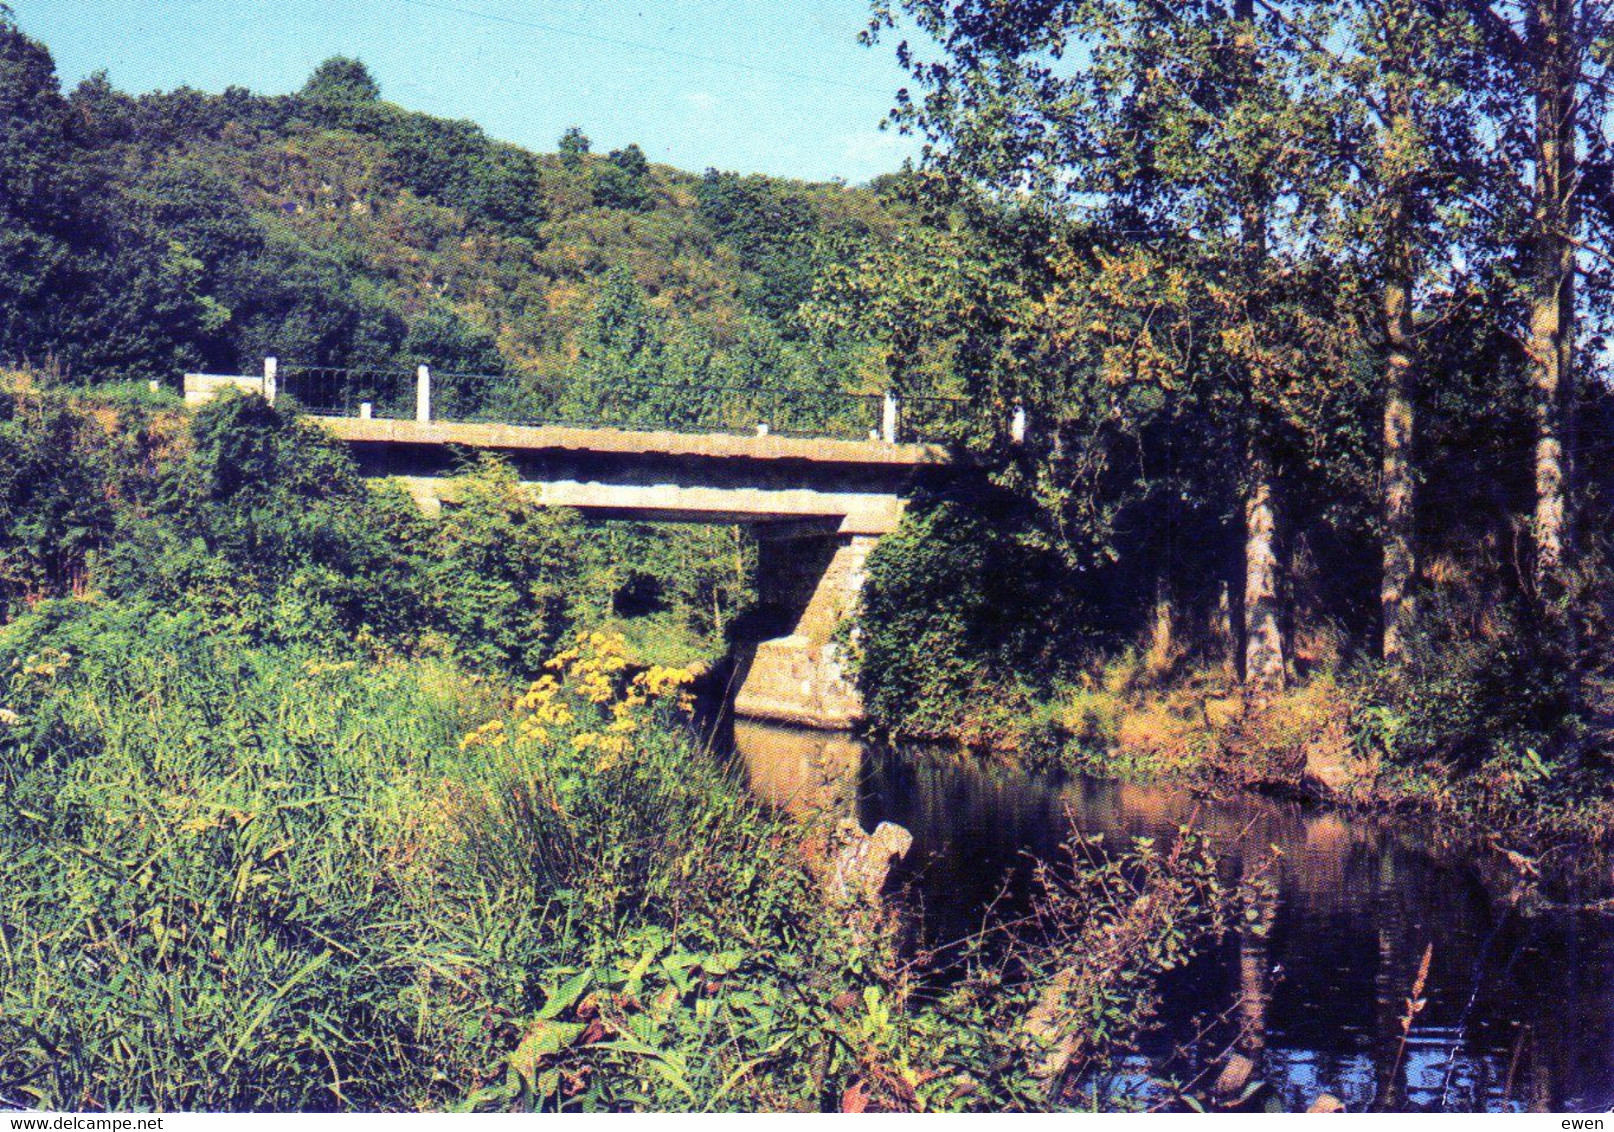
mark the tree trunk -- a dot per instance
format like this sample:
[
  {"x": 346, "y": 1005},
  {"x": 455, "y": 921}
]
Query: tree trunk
[
  {"x": 1264, "y": 648},
  {"x": 1227, "y": 640},
  {"x": 1157, "y": 660},
  {"x": 1396, "y": 472},
  {"x": 1264, "y": 668},
  {"x": 1550, "y": 346}
]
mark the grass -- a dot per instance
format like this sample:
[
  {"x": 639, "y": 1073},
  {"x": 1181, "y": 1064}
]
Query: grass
[
  {"x": 240, "y": 879},
  {"x": 237, "y": 880}
]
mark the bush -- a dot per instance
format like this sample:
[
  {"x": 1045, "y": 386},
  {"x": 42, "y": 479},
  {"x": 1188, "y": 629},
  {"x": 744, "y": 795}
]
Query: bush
[
  {"x": 505, "y": 572},
  {"x": 1469, "y": 692},
  {"x": 264, "y": 526},
  {"x": 958, "y": 617},
  {"x": 57, "y": 470}
]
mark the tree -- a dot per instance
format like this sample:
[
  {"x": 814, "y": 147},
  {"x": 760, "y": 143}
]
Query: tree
[
  {"x": 620, "y": 358},
  {"x": 1184, "y": 128},
  {"x": 1552, "y": 97},
  {"x": 158, "y": 300},
  {"x": 1265, "y": 649},
  {"x": 620, "y": 181},
  {"x": 58, "y": 468},
  {"x": 341, "y": 80},
  {"x": 504, "y": 571},
  {"x": 1398, "y": 79},
  {"x": 773, "y": 230},
  {"x": 39, "y": 176},
  {"x": 300, "y": 304},
  {"x": 265, "y": 526},
  {"x": 103, "y": 115},
  {"x": 573, "y": 145},
  {"x": 440, "y": 337}
]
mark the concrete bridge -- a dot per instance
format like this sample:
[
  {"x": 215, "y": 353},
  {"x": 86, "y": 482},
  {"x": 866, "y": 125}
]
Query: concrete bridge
[{"x": 817, "y": 504}]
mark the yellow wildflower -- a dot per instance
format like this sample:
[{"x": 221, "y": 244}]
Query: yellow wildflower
[{"x": 490, "y": 733}]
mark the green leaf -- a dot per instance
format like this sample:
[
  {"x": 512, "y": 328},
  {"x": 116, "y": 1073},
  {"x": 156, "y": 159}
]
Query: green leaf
[
  {"x": 723, "y": 962},
  {"x": 545, "y": 1039},
  {"x": 565, "y": 996}
]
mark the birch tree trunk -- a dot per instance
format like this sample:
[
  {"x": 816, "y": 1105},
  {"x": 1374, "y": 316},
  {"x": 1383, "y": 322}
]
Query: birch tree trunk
[
  {"x": 1550, "y": 345},
  {"x": 1264, "y": 646},
  {"x": 1396, "y": 471},
  {"x": 1264, "y": 650}
]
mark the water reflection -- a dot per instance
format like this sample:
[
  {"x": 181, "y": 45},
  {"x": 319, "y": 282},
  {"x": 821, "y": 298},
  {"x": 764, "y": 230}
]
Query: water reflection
[
  {"x": 804, "y": 773},
  {"x": 1519, "y": 1008}
]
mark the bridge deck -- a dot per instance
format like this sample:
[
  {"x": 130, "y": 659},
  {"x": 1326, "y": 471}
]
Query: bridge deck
[{"x": 632, "y": 442}]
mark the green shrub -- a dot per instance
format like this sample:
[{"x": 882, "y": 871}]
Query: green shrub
[
  {"x": 503, "y": 572},
  {"x": 959, "y": 618},
  {"x": 58, "y": 466},
  {"x": 1469, "y": 692},
  {"x": 264, "y": 526}
]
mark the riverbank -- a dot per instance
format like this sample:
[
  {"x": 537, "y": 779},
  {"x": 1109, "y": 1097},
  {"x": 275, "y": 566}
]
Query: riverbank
[{"x": 1321, "y": 743}]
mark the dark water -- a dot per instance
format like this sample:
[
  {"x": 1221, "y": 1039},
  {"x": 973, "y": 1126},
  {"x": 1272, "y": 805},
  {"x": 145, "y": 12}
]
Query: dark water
[{"x": 1519, "y": 1010}]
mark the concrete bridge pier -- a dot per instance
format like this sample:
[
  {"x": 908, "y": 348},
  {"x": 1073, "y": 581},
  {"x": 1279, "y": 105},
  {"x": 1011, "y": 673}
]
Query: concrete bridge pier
[{"x": 808, "y": 582}]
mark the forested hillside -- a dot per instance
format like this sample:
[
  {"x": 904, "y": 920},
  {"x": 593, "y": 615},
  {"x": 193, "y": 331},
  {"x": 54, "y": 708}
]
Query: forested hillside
[
  {"x": 142, "y": 237},
  {"x": 180, "y": 230}
]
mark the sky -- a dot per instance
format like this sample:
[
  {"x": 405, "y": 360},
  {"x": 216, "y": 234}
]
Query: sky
[{"x": 753, "y": 86}]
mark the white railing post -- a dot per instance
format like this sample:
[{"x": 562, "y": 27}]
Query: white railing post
[
  {"x": 888, "y": 420},
  {"x": 271, "y": 379},
  {"x": 366, "y": 410},
  {"x": 1017, "y": 426},
  {"x": 423, "y": 395}
]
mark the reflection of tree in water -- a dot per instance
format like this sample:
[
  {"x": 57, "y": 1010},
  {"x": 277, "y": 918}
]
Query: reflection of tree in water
[
  {"x": 1255, "y": 972},
  {"x": 1391, "y": 983}
]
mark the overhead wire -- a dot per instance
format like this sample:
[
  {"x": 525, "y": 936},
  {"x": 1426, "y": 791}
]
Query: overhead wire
[{"x": 636, "y": 45}]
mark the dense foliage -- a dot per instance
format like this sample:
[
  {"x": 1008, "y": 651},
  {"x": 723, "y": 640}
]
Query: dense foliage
[
  {"x": 260, "y": 523},
  {"x": 963, "y": 624},
  {"x": 1306, "y": 304}
]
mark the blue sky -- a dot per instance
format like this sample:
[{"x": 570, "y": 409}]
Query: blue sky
[{"x": 804, "y": 100}]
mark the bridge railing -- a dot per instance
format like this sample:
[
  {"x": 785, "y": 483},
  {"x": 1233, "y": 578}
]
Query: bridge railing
[
  {"x": 428, "y": 395},
  {"x": 660, "y": 406},
  {"x": 386, "y": 394},
  {"x": 933, "y": 419}
]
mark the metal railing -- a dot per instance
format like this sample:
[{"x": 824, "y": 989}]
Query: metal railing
[
  {"x": 427, "y": 395},
  {"x": 333, "y": 392},
  {"x": 933, "y": 419}
]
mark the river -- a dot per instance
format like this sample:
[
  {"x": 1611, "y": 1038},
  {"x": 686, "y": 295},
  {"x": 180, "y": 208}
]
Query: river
[{"x": 1519, "y": 1004}]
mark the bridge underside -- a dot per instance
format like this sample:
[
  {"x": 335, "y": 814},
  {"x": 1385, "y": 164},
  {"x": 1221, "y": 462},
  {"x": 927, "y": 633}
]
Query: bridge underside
[
  {"x": 868, "y": 514},
  {"x": 818, "y": 508}
]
